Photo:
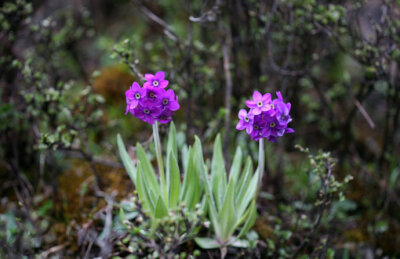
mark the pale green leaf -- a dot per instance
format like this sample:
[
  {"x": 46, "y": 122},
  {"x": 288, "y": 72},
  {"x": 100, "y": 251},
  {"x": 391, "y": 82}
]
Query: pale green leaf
[
  {"x": 149, "y": 175},
  {"x": 172, "y": 145},
  {"x": 161, "y": 210},
  {"x": 236, "y": 165},
  {"x": 244, "y": 181},
  {"x": 126, "y": 160},
  {"x": 218, "y": 173},
  {"x": 142, "y": 190},
  {"x": 173, "y": 181},
  {"x": 227, "y": 216},
  {"x": 251, "y": 218},
  {"x": 248, "y": 195},
  {"x": 207, "y": 243}
]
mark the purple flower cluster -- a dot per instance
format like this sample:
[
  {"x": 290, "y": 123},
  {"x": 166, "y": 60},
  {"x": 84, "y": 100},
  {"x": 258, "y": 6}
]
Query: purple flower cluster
[
  {"x": 267, "y": 118},
  {"x": 152, "y": 102}
]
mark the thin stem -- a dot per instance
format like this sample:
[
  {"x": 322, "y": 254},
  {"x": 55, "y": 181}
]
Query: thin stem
[
  {"x": 261, "y": 157},
  {"x": 157, "y": 144}
]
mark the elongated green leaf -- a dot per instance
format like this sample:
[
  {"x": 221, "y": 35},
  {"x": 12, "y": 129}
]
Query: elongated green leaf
[
  {"x": 126, "y": 160},
  {"x": 172, "y": 145},
  {"x": 251, "y": 218},
  {"x": 218, "y": 173},
  {"x": 207, "y": 243},
  {"x": 185, "y": 158},
  {"x": 161, "y": 209},
  {"x": 248, "y": 195},
  {"x": 149, "y": 175},
  {"x": 198, "y": 158},
  {"x": 210, "y": 202},
  {"x": 173, "y": 181},
  {"x": 185, "y": 174},
  {"x": 240, "y": 243},
  {"x": 236, "y": 165},
  {"x": 227, "y": 215},
  {"x": 143, "y": 192},
  {"x": 244, "y": 181},
  {"x": 191, "y": 189}
]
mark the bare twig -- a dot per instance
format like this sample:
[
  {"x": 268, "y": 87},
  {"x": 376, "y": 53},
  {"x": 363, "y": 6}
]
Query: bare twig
[{"x": 364, "y": 114}]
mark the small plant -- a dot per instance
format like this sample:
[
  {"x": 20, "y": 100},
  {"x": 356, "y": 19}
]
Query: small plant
[
  {"x": 143, "y": 239},
  {"x": 164, "y": 198},
  {"x": 231, "y": 202}
]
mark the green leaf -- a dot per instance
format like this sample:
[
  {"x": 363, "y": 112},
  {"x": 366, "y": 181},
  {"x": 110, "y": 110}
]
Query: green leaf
[
  {"x": 150, "y": 179},
  {"x": 228, "y": 214},
  {"x": 126, "y": 160},
  {"x": 172, "y": 145},
  {"x": 240, "y": 244},
  {"x": 248, "y": 195},
  {"x": 142, "y": 190},
  {"x": 185, "y": 158},
  {"x": 161, "y": 209},
  {"x": 236, "y": 165},
  {"x": 211, "y": 203},
  {"x": 251, "y": 218},
  {"x": 207, "y": 243},
  {"x": 173, "y": 181},
  {"x": 244, "y": 181},
  {"x": 218, "y": 173},
  {"x": 191, "y": 186}
]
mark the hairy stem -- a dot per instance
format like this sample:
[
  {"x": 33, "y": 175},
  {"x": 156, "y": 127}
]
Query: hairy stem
[{"x": 261, "y": 157}]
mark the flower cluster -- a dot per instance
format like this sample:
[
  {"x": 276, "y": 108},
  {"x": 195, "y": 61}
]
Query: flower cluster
[
  {"x": 267, "y": 118},
  {"x": 152, "y": 102}
]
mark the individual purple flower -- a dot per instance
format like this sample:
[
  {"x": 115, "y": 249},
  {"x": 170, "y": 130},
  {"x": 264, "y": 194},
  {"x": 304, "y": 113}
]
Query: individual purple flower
[
  {"x": 260, "y": 103},
  {"x": 258, "y": 127},
  {"x": 133, "y": 95},
  {"x": 246, "y": 121},
  {"x": 147, "y": 111},
  {"x": 168, "y": 100},
  {"x": 165, "y": 116},
  {"x": 154, "y": 94},
  {"x": 156, "y": 80}
]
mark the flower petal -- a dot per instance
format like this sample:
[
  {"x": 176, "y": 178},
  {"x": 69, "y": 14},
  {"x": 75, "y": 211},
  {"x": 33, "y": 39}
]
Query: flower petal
[
  {"x": 251, "y": 104},
  {"x": 163, "y": 84},
  {"x": 242, "y": 114},
  {"x": 278, "y": 93},
  {"x": 160, "y": 75},
  {"x": 148, "y": 77},
  {"x": 289, "y": 130},
  {"x": 174, "y": 106},
  {"x": 257, "y": 96}
]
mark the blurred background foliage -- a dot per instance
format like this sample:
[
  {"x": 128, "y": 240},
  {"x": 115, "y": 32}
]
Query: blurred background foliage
[{"x": 64, "y": 68}]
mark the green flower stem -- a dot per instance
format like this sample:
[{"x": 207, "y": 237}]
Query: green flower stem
[
  {"x": 261, "y": 157},
  {"x": 157, "y": 144}
]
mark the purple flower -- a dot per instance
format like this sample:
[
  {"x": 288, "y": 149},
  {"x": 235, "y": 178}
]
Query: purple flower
[
  {"x": 156, "y": 80},
  {"x": 147, "y": 111},
  {"x": 165, "y": 116},
  {"x": 153, "y": 94},
  {"x": 246, "y": 121},
  {"x": 168, "y": 101},
  {"x": 152, "y": 102},
  {"x": 134, "y": 94},
  {"x": 260, "y": 103},
  {"x": 267, "y": 118}
]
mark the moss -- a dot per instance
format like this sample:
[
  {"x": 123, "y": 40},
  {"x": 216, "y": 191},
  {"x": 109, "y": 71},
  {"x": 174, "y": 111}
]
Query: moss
[{"x": 113, "y": 82}]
